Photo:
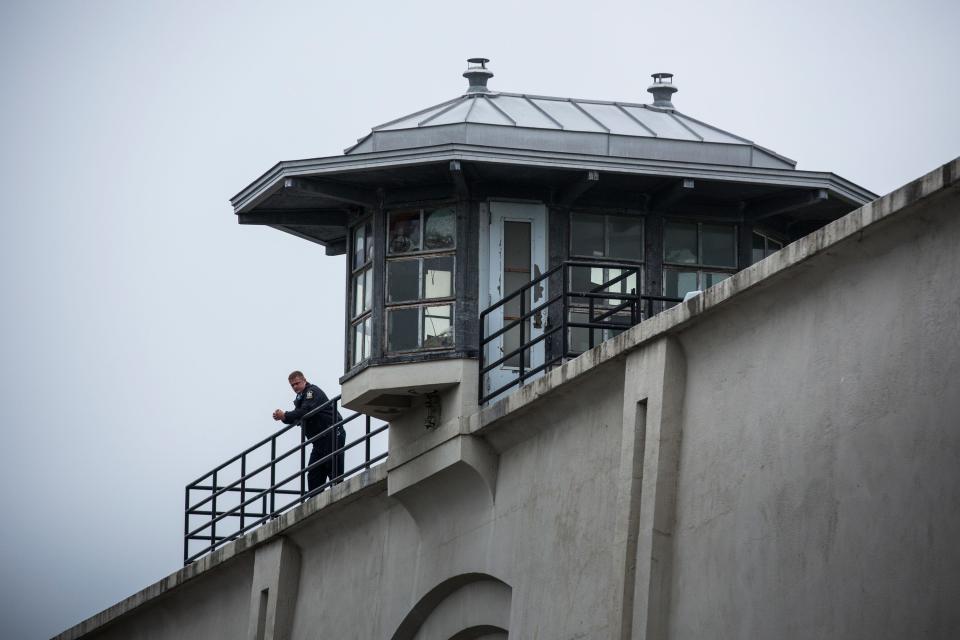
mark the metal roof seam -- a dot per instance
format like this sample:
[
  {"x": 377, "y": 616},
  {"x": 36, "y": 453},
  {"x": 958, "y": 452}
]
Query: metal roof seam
[
  {"x": 684, "y": 125},
  {"x": 473, "y": 103},
  {"x": 637, "y": 120},
  {"x": 442, "y": 111},
  {"x": 710, "y": 126},
  {"x": 415, "y": 113},
  {"x": 502, "y": 112},
  {"x": 589, "y": 115},
  {"x": 581, "y": 100},
  {"x": 359, "y": 142},
  {"x": 543, "y": 111}
]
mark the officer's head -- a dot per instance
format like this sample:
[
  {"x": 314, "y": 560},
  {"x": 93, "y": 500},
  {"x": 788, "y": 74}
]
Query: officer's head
[{"x": 297, "y": 381}]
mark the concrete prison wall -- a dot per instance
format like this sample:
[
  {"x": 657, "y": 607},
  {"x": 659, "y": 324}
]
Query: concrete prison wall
[{"x": 776, "y": 458}]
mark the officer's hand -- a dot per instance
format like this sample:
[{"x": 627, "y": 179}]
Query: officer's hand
[{"x": 278, "y": 415}]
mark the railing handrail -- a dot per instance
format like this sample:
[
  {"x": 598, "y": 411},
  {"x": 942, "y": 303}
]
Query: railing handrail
[
  {"x": 276, "y": 434},
  {"x": 625, "y": 302},
  {"x": 209, "y": 483},
  {"x": 277, "y": 458}
]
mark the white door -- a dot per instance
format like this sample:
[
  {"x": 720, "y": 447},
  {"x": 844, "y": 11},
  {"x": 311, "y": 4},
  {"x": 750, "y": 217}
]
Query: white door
[{"x": 517, "y": 255}]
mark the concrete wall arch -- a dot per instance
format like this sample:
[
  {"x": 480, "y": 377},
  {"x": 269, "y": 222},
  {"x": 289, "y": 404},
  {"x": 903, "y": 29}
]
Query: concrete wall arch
[{"x": 470, "y": 606}]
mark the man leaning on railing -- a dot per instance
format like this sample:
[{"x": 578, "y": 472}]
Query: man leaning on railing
[{"x": 322, "y": 465}]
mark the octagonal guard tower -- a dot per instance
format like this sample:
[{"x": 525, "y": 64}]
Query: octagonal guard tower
[{"x": 496, "y": 234}]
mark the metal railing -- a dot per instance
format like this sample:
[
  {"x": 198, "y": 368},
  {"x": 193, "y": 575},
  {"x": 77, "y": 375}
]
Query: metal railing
[
  {"x": 269, "y": 478},
  {"x": 608, "y": 307}
]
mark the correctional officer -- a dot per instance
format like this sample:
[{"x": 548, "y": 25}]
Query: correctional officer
[{"x": 309, "y": 397}]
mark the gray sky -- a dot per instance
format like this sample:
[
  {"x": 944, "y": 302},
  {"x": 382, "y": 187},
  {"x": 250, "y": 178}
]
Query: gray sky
[{"x": 146, "y": 336}]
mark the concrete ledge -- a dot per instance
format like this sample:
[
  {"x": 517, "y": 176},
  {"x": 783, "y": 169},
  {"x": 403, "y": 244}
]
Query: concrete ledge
[
  {"x": 764, "y": 272},
  {"x": 373, "y": 480}
]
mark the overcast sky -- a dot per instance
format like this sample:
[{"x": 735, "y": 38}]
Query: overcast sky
[{"x": 146, "y": 336}]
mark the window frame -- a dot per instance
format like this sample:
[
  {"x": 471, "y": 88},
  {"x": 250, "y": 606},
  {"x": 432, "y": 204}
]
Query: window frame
[
  {"x": 362, "y": 273},
  {"x": 700, "y": 268},
  {"x": 639, "y": 264},
  {"x": 421, "y": 304},
  {"x": 606, "y": 236},
  {"x": 767, "y": 239}
]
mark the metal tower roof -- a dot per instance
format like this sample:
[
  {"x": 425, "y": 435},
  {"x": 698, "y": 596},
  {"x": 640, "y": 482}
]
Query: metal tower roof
[
  {"x": 546, "y": 123},
  {"x": 564, "y": 114}
]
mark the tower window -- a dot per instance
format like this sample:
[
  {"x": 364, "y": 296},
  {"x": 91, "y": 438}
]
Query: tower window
[
  {"x": 697, "y": 255},
  {"x": 763, "y": 246},
  {"x": 361, "y": 292},
  {"x": 420, "y": 275}
]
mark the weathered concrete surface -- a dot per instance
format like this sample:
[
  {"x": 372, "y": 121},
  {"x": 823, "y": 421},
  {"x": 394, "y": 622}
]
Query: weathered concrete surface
[
  {"x": 819, "y": 493},
  {"x": 775, "y": 458}
]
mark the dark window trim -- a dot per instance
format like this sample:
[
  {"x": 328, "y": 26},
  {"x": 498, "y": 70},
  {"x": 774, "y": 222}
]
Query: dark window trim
[
  {"x": 606, "y": 213},
  {"x": 451, "y": 302},
  {"x": 421, "y": 209},
  {"x": 452, "y": 251},
  {"x": 356, "y": 320},
  {"x": 700, "y": 266}
]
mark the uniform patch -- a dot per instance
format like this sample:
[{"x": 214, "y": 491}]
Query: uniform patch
[{"x": 309, "y": 395}]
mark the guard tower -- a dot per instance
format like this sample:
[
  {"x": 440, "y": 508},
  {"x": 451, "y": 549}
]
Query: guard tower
[{"x": 493, "y": 235}]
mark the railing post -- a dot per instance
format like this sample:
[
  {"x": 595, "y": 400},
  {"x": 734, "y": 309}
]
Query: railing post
[
  {"x": 194, "y": 529},
  {"x": 273, "y": 475},
  {"x": 523, "y": 323},
  {"x": 564, "y": 312},
  {"x": 368, "y": 440},
  {"x": 590, "y": 321},
  {"x": 213, "y": 516},
  {"x": 481, "y": 333},
  {"x": 186, "y": 524},
  {"x": 243, "y": 490},
  {"x": 303, "y": 463}
]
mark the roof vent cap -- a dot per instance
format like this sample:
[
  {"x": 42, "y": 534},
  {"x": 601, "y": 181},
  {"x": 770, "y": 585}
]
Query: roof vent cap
[
  {"x": 477, "y": 74},
  {"x": 662, "y": 89}
]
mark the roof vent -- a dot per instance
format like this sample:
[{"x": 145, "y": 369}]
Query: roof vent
[
  {"x": 662, "y": 88},
  {"x": 478, "y": 74}
]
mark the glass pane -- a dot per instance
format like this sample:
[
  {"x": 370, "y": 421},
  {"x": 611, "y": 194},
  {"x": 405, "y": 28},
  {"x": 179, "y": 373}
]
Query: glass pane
[
  {"x": 579, "y": 339},
  {"x": 438, "y": 277},
  {"x": 677, "y": 284},
  {"x": 580, "y": 278},
  {"x": 361, "y": 341},
  {"x": 625, "y": 238},
  {"x": 359, "y": 293},
  {"x": 402, "y": 326},
  {"x": 680, "y": 242},
  {"x": 404, "y": 232},
  {"x": 619, "y": 323},
  {"x": 628, "y": 284},
  {"x": 710, "y": 279},
  {"x": 357, "y": 343},
  {"x": 516, "y": 263},
  {"x": 368, "y": 289},
  {"x": 757, "y": 254},
  {"x": 512, "y": 282},
  {"x": 438, "y": 326},
  {"x": 773, "y": 245},
  {"x": 516, "y": 246},
  {"x": 367, "y": 337},
  {"x": 586, "y": 235},
  {"x": 359, "y": 242},
  {"x": 511, "y": 341},
  {"x": 368, "y": 235},
  {"x": 719, "y": 245},
  {"x": 439, "y": 230},
  {"x": 403, "y": 280}
]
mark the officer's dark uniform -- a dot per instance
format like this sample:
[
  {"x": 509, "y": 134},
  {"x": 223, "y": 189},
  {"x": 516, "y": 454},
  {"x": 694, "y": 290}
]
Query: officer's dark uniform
[{"x": 332, "y": 439}]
